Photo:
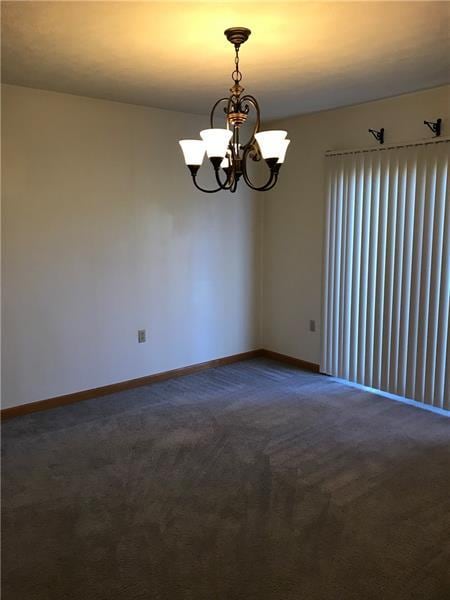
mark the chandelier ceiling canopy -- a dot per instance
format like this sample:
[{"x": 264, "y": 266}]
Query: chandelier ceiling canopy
[{"x": 226, "y": 152}]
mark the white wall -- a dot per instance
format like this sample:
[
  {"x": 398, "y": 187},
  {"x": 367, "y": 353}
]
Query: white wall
[
  {"x": 293, "y": 212},
  {"x": 104, "y": 234}
]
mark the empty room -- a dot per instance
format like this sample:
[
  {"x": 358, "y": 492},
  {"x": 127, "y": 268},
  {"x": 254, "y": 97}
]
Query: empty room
[{"x": 225, "y": 247}]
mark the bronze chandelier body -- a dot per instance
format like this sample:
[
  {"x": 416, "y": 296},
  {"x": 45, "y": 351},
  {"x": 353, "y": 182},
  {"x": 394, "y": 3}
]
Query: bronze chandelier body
[{"x": 230, "y": 163}]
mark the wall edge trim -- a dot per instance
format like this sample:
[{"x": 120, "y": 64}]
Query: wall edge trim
[
  {"x": 296, "y": 362},
  {"x": 113, "y": 388}
]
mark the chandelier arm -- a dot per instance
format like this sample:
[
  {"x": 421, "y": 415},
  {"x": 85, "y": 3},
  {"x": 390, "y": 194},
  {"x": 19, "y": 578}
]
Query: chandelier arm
[
  {"x": 268, "y": 187},
  {"x": 211, "y": 115},
  {"x": 270, "y": 183},
  {"x": 194, "y": 179},
  {"x": 233, "y": 186},
  {"x": 248, "y": 98},
  {"x": 224, "y": 185}
]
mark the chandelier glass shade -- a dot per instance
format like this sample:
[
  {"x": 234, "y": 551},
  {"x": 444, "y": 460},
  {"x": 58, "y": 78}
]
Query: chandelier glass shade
[{"x": 226, "y": 152}]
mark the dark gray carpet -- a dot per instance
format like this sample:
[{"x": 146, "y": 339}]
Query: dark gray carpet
[{"x": 254, "y": 481}]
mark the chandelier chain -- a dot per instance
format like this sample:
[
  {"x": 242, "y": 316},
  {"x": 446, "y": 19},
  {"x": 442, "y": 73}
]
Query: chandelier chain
[{"x": 236, "y": 75}]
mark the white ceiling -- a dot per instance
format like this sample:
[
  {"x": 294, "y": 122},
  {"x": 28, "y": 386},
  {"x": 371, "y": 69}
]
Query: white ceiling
[{"x": 301, "y": 56}]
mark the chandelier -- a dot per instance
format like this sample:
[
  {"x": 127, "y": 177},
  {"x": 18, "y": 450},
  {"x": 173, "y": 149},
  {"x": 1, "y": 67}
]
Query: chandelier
[{"x": 227, "y": 154}]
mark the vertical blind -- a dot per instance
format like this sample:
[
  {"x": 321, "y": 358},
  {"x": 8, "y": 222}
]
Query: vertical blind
[{"x": 387, "y": 271}]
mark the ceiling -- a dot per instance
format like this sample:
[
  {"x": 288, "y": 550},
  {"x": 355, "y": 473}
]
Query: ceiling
[{"x": 301, "y": 56}]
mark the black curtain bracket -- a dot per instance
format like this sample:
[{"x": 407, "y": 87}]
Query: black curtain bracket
[
  {"x": 378, "y": 134},
  {"x": 435, "y": 126}
]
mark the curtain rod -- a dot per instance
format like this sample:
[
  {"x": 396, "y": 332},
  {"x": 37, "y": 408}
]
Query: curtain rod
[{"x": 424, "y": 142}]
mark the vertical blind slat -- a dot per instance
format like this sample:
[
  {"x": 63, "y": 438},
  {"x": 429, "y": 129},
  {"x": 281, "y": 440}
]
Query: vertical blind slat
[
  {"x": 424, "y": 296},
  {"x": 389, "y": 282},
  {"x": 443, "y": 351},
  {"x": 381, "y": 271},
  {"x": 359, "y": 186},
  {"x": 416, "y": 262},
  {"x": 326, "y": 281},
  {"x": 328, "y": 350},
  {"x": 407, "y": 270},
  {"x": 374, "y": 200},
  {"x": 337, "y": 272},
  {"x": 343, "y": 279},
  {"x": 367, "y": 178},
  {"x": 399, "y": 260},
  {"x": 437, "y": 236},
  {"x": 348, "y": 350}
]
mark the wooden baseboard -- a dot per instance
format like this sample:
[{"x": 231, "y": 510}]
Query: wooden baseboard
[
  {"x": 296, "y": 362},
  {"x": 24, "y": 409},
  {"x": 106, "y": 390}
]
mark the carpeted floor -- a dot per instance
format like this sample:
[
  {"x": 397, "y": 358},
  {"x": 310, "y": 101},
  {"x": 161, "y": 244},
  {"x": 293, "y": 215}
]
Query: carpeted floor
[{"x": 254, "y": 481}]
